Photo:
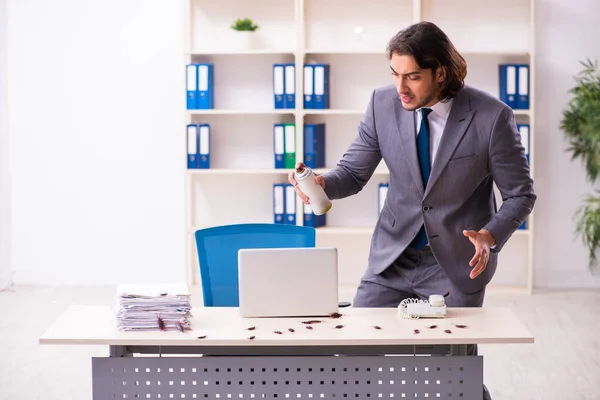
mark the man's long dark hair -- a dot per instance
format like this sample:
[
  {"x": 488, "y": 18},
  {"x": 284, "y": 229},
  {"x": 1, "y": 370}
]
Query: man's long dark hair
[{"x": 431, "y": 49}]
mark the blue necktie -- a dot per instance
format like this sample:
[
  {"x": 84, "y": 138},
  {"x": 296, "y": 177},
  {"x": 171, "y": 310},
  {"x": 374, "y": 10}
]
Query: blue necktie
[{"x": 424, "y": 162}]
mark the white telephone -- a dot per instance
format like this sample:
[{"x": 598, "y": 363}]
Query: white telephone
[{"x": 417, "y": 308}]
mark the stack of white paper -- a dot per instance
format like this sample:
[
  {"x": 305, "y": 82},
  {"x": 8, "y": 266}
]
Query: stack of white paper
[{"x": 154, "y": 307}]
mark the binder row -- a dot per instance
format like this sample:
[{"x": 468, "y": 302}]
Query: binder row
[
  {"x": 284, "y": 207},
  {"x": 523, "y": 225},
  {"x": 284, "y": 145},
  {"x": 316, "y": 86},
  {"x": 284, "y": 85},
  {"x": 199, "y": 86},
  {"x": 198, "y": 146},
  {"x": 524, "y": 132},
  {"x": 514, "y": 85}
]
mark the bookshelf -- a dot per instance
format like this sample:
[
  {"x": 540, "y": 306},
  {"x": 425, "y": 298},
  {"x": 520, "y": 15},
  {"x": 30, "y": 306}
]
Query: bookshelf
[{"x": 352, "y": 40}]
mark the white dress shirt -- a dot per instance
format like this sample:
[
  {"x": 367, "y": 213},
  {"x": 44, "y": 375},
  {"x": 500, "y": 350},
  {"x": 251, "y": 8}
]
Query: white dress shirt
[{"x": 437, "y": 122}]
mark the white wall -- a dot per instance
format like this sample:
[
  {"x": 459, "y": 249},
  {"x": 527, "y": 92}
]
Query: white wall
[
  {"x": 5, "y": 267},
  {"x": 96, "y": 115},
  {"x": 567, "y": 32}
]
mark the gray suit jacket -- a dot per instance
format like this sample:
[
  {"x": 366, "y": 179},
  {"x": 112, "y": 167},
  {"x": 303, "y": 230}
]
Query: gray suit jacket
[{"x": 480, "y": 145}]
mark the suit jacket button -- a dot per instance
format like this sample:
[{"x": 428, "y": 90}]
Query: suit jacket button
[{"x": 426, "y": 208}]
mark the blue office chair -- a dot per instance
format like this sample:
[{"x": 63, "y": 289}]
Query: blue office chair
[{"x": 218, "y": 254}]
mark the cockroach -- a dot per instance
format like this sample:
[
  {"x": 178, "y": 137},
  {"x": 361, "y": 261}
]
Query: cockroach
[
  {"x": 335, "y": 315},
  {"x": 448, "y": 331},
  {"x": 202, "y": 337},
  {"x": 179, "y": 326},
  {"x": 312, "y": 321},
  {"x": 163, "y": 294},
  {"x": 251, "y": 337},
  {"x": 309, "y": 327},
  {"x": 161, "y": 323},
  {"x": 376, "y": 327},
  {"x": 416, "y": 331},
  {"x": 251, "y": 328},
  {"x": 291, "y": 330},
  {"x": 447, "y": 294},
  {"x": 339, "y": 326},
  {"x": 460, "y": 326},
  {"x": 432, "y": 327},
  {"x": 278, "y": 332}
]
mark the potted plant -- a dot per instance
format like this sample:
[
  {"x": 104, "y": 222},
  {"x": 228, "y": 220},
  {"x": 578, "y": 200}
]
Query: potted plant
[
  {"x": 245, "y": 29},
  {"x": 581, "y": 125}
]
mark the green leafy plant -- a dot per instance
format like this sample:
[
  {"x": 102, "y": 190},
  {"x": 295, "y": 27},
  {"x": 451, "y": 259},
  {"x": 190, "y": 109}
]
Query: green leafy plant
[
  {"x": 244, "y": 24},
  {"x": 581, "y": 125},
  {"x": 588, "y": 226}
]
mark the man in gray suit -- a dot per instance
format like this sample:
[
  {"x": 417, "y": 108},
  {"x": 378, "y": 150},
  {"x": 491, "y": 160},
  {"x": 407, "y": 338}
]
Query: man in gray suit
[{"x": 445, "y": 144}]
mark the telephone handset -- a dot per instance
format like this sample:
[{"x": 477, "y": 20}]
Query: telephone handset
[{"x": 412, "y": 308}]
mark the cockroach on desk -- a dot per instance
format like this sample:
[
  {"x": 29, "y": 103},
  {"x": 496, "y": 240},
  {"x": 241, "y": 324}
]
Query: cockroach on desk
[
  {"x": 339, "y": 326},
  {"x": 448, "y": 331},
  {"x": 251, "y": 328},
  {"x": 202, "y": 337},
  {"x": 377, "y": 327},
  {"x": 179, "y": 326},
  {"x": 335, "y": 315},
  {"x": 251, "y": 337},
  {"x": 291, "y": 330},
  {"x": 416, "y": 331},
  {"x": 309, "y": 327},
  {"x": 460, "y": 326},
  {"x": 161, "y": 323},
  {"x": 278, "y": 332},
  {"x": 312, "y": 321}
]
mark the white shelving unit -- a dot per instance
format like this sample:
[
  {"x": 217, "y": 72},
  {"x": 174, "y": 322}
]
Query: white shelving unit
[{"x": 238, "y": 187}]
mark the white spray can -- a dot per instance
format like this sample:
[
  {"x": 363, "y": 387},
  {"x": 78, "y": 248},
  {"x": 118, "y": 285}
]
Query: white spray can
[{"x": 319, "y": 202}]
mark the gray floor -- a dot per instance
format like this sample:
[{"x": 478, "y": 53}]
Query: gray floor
[{"x": 564, "y": 363}]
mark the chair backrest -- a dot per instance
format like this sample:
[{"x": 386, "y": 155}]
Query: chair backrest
[{"x": 218, "y": 254}]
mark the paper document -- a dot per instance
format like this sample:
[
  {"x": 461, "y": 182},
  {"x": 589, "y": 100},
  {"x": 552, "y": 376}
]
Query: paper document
[{"x": 153, "y": 306}]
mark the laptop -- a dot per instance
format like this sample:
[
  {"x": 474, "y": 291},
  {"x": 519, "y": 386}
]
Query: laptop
[{"x": 288, "y": 282}]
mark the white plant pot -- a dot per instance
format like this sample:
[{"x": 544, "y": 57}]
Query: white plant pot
[{"x": 244, "y": 40}]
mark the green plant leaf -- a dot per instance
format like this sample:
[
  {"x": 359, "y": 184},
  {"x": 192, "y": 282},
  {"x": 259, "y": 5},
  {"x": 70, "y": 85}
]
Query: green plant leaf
[
  {"x": 581, "y": 120},
  {"x": 581, "y": 126},
  {"x": 244, "y": 24},
  {"x": 588, "y": 227}
]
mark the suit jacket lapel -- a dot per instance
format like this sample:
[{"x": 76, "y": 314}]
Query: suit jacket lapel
[
  {"x": 405, "y": 124},
  {"x": 458, "y": 121}
]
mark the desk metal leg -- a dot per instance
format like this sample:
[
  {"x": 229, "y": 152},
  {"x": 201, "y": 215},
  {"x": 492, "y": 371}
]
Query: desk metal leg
[
  {"x": 119, "y": 351},
  {"x": 458, "y": 350}
]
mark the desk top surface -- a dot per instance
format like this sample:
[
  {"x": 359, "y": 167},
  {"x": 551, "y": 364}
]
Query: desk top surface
[{"x": 87, "y": 325}]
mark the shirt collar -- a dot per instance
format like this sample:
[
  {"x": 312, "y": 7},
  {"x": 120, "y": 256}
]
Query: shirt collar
[{"x": 440, "y": 108}]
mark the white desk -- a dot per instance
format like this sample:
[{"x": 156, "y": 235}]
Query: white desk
[{"x": 318, "y": 363}]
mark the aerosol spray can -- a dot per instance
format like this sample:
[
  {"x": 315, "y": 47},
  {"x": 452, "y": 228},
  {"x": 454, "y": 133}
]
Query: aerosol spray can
[{"x": 319, "y": 202}]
